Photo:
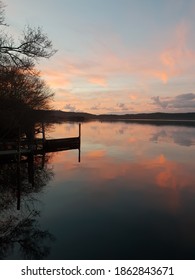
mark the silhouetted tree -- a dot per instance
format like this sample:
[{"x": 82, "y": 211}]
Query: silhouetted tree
[
  {"x": 33, "y": 45},
  {"x": 21, "y": 93},
  {"x": 24, "y": 89}
]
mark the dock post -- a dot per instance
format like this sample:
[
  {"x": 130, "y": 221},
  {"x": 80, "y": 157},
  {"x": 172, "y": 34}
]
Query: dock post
[
  {"x": 79, "y": 156},
  {"x": 79, "y": 130},
  {"x": 43, "y": 133}
]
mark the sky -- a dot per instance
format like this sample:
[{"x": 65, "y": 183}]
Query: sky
[{"x": 115, "y": 56}]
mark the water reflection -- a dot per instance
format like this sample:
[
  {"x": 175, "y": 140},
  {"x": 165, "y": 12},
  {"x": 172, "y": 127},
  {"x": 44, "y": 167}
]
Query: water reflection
[
  {"x": 131, "y": 197},
  {"x": 19, "y": 183},
  {"x": 178, "y": 136}
]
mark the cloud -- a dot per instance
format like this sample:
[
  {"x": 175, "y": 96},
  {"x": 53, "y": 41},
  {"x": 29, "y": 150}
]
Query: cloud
[
  {"x": 177, "y": 58},
  {"x": 95, "y": 107},
  {"x": 186, "y": 96},
  {"x": 56, "y": 79},
  {"x": 123, "y": 79},
  {"x": 158, "y": 102},
  {"x": 70, "y": 108},
  {"x": 122, "y": 106},
  {"x": 183, "y": 102},
  {"x": 97, "y": 80}
]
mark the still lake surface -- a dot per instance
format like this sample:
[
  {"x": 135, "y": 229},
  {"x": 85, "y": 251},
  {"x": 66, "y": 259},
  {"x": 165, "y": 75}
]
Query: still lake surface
[{"x": 132, "y": 196}]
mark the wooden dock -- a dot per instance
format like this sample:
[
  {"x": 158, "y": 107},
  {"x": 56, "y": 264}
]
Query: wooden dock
[
  {"x": 21, "y": 151},
  {"x": 39, "y": 146},
  {"x": 52, "y": 145},
  {"x": 55, "y": 145}
]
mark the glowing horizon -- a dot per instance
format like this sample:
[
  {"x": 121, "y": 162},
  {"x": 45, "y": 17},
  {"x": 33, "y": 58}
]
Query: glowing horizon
[{"x": 115, "y": 57}]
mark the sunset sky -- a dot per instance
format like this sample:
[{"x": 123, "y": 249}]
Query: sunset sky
[{"x": 115, "y": 56}]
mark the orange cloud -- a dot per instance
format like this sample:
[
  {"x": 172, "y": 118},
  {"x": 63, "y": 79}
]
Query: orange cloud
[
  {"x": 167, "y": 58},
  {"x": 132, "y": 140},
  {"x": 163, "y": 76},
  {"x": 98, "y": 81},
  {"x": 133, "y": 97},
  {"x": 177, "y": 58},
  {"x": 55, "y": 79},
  {"x": 126, "y": 71}
]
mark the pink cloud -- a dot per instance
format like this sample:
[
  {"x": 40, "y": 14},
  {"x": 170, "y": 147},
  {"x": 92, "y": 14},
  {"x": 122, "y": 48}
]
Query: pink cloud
[
  {"x": 55, "y": 79},
  {"x": 128, "y": 70},
  {"x": 98, "y": 81},
  {"x": 177, "y": 58}
]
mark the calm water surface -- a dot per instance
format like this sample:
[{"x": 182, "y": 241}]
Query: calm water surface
[{"x": 132, "y": 196}]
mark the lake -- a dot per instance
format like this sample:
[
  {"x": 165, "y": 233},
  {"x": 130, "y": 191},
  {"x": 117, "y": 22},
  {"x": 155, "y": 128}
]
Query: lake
[{"x": 131, "y": 196}]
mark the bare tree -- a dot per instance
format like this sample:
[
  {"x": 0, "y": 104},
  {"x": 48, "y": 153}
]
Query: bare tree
[
  {"x": 22, "y": 93},
  {"x": 34, "y": 44},
  {"x": 2, "y": 18},
  {"x": 24, "y": 89}
]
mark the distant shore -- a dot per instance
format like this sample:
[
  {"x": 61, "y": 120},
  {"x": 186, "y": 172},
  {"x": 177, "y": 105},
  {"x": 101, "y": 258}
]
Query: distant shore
[
  {"x": 141, "y": 116},
  {"x": 54, "y": 116}
]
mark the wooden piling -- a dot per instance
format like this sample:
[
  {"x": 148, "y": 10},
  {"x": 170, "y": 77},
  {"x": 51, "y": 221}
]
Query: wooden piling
[
  {"x": 79, "y": 155},
  {"x": 79, "y": 130},
  {"x": 43, "y": 132}
]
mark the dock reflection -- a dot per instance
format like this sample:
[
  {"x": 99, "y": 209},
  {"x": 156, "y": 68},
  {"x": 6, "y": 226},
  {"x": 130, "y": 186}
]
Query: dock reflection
[
  {"x": 23, "y": 175},
  {"x": 20, "y": 231}
]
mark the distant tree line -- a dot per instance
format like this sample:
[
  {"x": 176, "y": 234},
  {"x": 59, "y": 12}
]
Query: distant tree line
[{"x": 22, "y": 90}]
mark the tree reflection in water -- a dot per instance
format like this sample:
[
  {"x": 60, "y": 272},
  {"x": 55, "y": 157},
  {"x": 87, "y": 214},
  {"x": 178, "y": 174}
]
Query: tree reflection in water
[{"x": 20, "y": 231}]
